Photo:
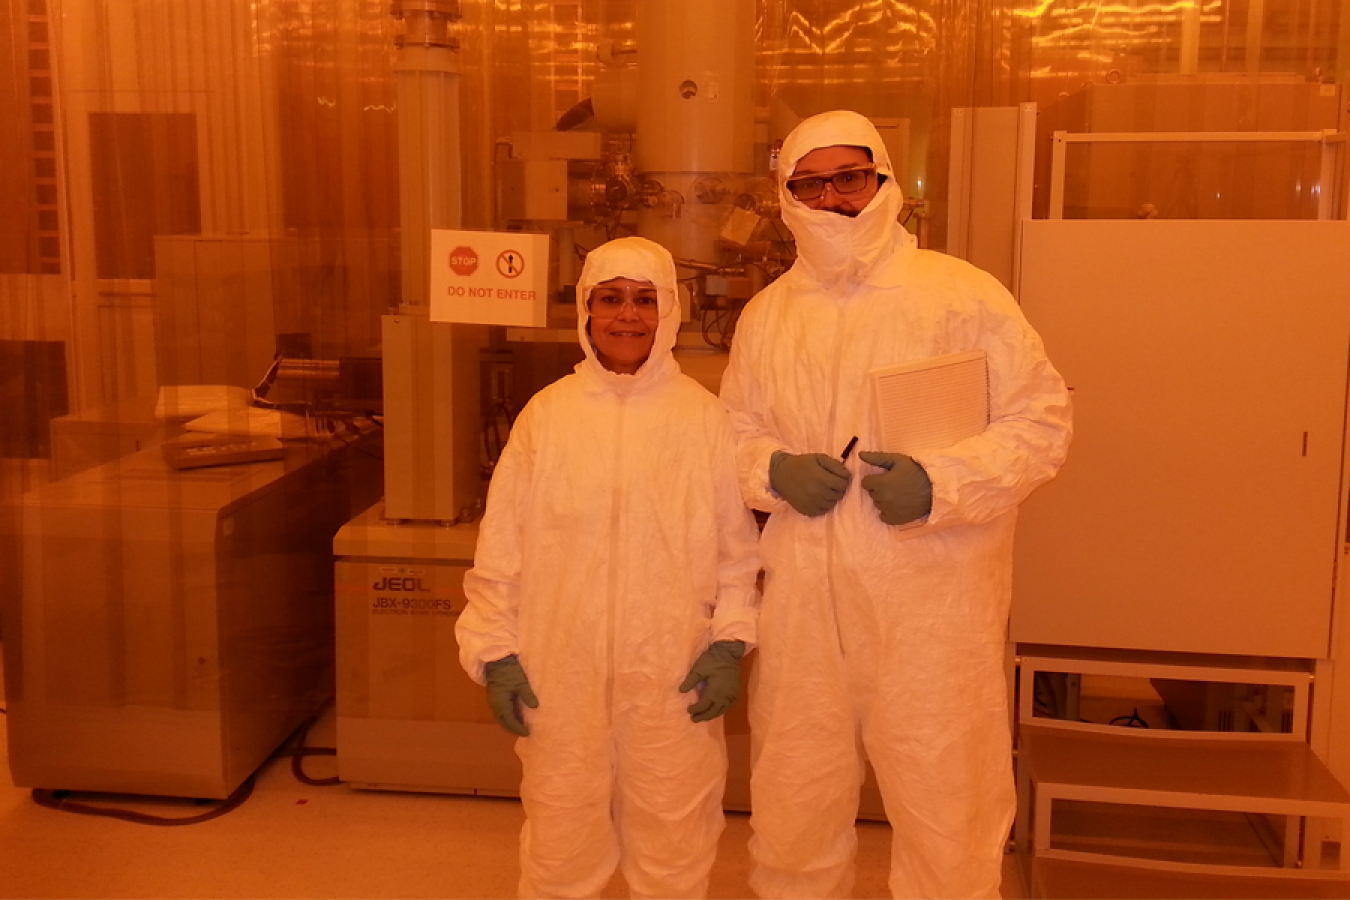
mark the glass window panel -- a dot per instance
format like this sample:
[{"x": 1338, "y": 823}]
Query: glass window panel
[{"x": 145, "y": 182}]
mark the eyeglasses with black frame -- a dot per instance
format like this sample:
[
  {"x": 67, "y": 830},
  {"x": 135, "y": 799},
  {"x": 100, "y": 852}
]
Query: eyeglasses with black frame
[{"x": 845, "y": 181}]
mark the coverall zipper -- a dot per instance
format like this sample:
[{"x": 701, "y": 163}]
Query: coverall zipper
[
  {"x": 615, "y": 554},
  {"x": 831, "y": 431}
]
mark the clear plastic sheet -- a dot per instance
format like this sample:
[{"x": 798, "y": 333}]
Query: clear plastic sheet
[{"x": 190, "y": 187}]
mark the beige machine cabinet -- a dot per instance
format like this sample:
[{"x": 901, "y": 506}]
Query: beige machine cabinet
[
  {"x": 409, "y": 718},
  {"x": 174, "y": 627},
  {"x": 1199, "y": 505}
]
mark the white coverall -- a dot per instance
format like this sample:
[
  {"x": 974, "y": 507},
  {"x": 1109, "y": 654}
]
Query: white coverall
[
  {"x": 615, "y": 548},
  {"x": 873, "y": 640}
]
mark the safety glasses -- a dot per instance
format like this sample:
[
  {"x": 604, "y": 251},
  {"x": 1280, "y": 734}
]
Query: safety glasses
[
  {"x": 845, "y": 181},
  {"x": 608, "y": 302}
]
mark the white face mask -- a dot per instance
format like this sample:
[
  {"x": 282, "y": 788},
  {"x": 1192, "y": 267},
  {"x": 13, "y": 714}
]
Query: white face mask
[
  {"x": 835, "y": 248},
  {"x": 832, "y": 247}
]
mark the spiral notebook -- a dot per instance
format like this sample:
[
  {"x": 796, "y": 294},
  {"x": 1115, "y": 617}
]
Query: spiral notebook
[{"x": 931, "y": 405}]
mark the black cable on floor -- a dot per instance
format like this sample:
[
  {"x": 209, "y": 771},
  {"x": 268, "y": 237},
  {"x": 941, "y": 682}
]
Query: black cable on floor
[
  {"x": 51, "y": 800},
  {"x": 301, "y": 751},
  {"x": 1133, "y": 720},
  {"x": 59, "y": 799}
]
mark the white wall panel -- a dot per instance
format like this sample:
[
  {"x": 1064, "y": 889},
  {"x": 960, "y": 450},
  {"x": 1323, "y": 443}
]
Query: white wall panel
[{"x": 1198, "y": 510}]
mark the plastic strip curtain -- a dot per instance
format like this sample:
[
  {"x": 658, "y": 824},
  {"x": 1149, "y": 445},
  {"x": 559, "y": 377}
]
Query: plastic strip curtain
[
  {"x": 192, "y": 188},
  {"x": 142, "y": 120},
  {"x": 1211, "y": 65},
  {"x": 189, "y": 186}
]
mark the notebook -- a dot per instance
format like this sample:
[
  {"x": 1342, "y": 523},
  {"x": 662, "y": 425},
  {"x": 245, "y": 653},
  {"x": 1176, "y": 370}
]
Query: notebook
[{"x": 931, "y": 405}]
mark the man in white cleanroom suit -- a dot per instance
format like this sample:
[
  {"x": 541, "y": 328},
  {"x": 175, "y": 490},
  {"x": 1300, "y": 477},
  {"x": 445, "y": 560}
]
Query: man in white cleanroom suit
[
  {"x": 615, "y": 570},
  {"x": 877, "y": 639}
]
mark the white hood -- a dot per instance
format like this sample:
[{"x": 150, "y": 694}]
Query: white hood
[
  {"x": 830, "y": 247},
  {"x": 641, "y": 260}
]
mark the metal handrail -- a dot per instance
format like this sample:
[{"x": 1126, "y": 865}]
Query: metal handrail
[{"x": 1332, "y": 142}]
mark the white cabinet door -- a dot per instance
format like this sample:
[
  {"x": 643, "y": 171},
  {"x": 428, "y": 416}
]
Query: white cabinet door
[{"x": 1198, "y": 509}]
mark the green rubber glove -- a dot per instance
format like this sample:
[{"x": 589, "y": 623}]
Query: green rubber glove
[
  {"x": 812, "y": 482},
  {"x": 903, "y": 492},
  {"x": 719, "y": 669},
  {"x": 506, "y": 684}
]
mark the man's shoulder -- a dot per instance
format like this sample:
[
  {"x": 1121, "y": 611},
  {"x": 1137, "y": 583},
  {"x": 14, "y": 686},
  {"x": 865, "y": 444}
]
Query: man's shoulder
[
  {"x": 938, "y": 262},
  {"x": 953, "y": 276}
]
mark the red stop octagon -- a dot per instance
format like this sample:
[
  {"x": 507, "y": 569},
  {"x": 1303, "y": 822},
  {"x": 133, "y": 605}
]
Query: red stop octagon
[{"x": 463, "y": 260}]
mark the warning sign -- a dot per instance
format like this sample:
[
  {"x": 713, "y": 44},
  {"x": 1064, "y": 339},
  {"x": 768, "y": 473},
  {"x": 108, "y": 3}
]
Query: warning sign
[
  {"x": 489, "y": 278},
  {"x": 510, "y": 264},
  {"x": 463, "y": 261}
]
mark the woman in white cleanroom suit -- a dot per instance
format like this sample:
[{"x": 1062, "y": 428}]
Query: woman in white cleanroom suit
[
  {"x": 615, "y": 569},
  {"x": 876, "y": 639}
]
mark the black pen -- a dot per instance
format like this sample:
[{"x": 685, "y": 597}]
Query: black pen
[{"x": 849, "y": 449}]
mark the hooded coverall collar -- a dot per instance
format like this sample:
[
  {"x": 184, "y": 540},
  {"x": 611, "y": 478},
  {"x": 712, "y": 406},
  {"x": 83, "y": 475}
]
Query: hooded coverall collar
[
  {"x": 641, "y": 260},
  {"x": 832, "y": 249}
]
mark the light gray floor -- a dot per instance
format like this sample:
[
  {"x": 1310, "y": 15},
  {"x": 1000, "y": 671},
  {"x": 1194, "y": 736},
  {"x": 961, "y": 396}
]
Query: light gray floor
[{"x": 294, "y": 840}]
